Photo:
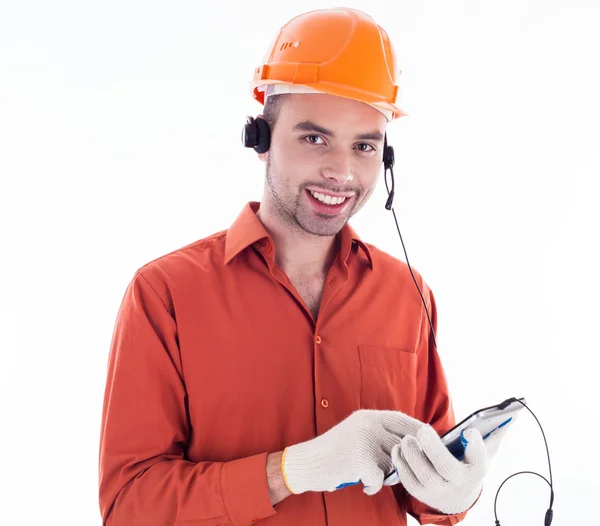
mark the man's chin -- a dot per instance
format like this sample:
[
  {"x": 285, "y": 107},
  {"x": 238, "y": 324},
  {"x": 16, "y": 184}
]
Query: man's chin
[{"x": 325, "y": 227}]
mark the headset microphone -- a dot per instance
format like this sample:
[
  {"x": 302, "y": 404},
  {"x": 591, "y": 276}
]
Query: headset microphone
[{"x": 388, "y": 164}]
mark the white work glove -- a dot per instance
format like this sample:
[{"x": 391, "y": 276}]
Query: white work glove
[
  {"x": 431, "y": 474},
  {"x": 357, "y": 449}
]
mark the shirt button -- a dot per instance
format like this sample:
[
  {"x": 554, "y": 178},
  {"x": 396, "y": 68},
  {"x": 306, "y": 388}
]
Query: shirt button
[
  {"x": 325, "y": 402},
  {"x": 318, "y": 340}
]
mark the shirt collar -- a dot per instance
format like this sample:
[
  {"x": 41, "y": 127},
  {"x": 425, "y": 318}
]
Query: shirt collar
[{"x": 248, "y": 229}]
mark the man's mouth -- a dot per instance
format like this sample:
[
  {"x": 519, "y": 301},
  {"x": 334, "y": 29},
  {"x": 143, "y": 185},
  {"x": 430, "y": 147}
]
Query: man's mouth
[
  {"x": 329, "y": 199},
  {"x": 328, "y": 204}
]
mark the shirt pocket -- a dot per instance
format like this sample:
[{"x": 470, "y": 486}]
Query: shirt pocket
[{"x": 388, "y": 378}]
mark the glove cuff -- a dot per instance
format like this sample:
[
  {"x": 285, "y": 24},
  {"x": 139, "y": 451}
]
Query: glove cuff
[
  {"x": 285, "y": 479},
  {"x": 301, "y": 466}
]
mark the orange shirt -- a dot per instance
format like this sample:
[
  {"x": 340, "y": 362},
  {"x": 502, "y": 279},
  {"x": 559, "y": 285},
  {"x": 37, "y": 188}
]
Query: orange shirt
[{"x": 215, "y": 361}]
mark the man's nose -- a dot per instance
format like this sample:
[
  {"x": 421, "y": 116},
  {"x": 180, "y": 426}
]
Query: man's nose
[{"x": 338, "y": 167}]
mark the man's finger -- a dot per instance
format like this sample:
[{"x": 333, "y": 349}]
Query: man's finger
[
  {"x": 405, "y": 474},
  {"x": 448, "y": 467},
  {"x": 475, "y": 452},
  {"x": 373, "y": 482},
  {"x": 492, "y": 442},
  {"x": 420, "y": 465}
]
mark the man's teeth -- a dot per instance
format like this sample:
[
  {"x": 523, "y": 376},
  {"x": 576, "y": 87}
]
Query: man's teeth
[{"x": 327, "y": 199}]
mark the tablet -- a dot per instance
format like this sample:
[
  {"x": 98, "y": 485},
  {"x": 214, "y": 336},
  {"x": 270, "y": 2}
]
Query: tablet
[{"x": 486, "y": 420}]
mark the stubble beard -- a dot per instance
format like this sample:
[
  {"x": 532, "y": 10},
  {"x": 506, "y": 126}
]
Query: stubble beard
[{"x": 291, "y": 212}]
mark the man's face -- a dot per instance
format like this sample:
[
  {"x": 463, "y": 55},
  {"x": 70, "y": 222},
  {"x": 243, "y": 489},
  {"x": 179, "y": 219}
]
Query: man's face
[{"x": 323, "y": 148}]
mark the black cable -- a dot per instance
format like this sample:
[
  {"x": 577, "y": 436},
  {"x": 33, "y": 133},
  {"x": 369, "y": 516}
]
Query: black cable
[
  {"x": 514, "y": 475},
  {"x": 404, "y": 248},
  {"x": 549, "y": 512},
  {"x": 547, "y": 452}
]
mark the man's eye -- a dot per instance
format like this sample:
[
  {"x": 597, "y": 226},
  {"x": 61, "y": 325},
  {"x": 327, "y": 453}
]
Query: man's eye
[
  {"x": 313, "y": 139},
  {"x": 364, "y": 147}
]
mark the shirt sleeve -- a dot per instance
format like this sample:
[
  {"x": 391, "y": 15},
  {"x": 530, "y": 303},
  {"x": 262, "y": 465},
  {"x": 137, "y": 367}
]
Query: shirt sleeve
[
  {"x": 143, "y": 476},
  {"x": 426, "y": 515},
  {"x": 434, "y": 406}
]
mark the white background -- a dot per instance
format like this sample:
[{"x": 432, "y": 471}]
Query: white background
[{"x": 120, "y": 140}]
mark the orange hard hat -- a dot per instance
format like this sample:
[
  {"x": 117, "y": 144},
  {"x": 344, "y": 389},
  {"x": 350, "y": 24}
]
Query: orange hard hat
[{"x": 339, "y": 51}]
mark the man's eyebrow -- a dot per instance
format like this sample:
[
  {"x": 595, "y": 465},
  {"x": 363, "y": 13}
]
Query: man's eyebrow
[
  {"x": 371, "y": 136},
  {"x": 310, "y": 126}
]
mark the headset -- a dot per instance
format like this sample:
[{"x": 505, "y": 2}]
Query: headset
[{"x": 256, "y": 134}]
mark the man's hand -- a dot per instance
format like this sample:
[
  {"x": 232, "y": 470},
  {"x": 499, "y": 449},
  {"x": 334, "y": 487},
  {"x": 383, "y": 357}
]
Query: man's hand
[
  {"x": 358, "y": 449},
  {"x": 431, "y": 474}
]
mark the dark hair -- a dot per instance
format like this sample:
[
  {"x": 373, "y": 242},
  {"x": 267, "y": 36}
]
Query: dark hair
[{"x": 272, "y": 108}]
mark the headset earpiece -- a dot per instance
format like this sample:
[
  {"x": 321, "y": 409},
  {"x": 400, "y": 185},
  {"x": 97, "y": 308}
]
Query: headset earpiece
[
  {"x": 388, "y": 155},
  {"x": 388, "y": 164},
  {"x": 256, "y": 134}
]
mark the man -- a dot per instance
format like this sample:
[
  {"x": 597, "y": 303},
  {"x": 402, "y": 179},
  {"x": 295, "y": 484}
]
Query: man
[{"x": 279, "y": 370}]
